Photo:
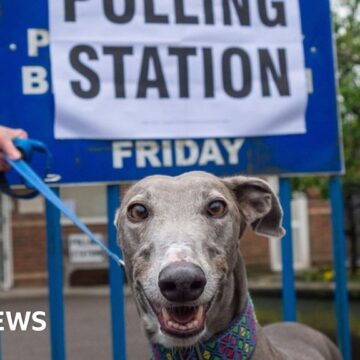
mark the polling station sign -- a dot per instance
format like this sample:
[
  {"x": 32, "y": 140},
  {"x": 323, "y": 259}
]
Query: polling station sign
[
  {"x": 156, "y": 69},
  {"x": 27, "y": 101}
]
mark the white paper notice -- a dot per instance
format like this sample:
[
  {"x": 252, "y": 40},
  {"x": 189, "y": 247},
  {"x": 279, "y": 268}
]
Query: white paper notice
[{"x": 135, "y": 69}]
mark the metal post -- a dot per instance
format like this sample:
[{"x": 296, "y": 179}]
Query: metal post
[
  {"x": 339, "y": 261},
  {"x": 116, "y": 279},
  {"x": 288, "y": 278},
  {"x": 55, "y": 281}
]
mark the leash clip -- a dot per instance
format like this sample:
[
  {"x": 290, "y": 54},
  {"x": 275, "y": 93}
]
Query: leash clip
[{"x": 28, "y": 147}]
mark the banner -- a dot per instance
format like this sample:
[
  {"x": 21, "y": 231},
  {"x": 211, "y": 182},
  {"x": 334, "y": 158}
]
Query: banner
[{"x": 153, "y": 69}]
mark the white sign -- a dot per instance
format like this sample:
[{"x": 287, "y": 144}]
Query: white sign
[
  {"x": 83, "y": 250},
  {"x": 135, "y": 69}
]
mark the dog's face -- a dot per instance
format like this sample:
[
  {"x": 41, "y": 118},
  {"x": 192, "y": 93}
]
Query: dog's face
[{"x": 179, "y": 237}]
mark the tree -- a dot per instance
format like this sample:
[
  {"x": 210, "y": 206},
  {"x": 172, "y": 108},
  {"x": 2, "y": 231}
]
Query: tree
[
  {"x": 346, "y": 17},
  {"x": 347, "y": 32}
]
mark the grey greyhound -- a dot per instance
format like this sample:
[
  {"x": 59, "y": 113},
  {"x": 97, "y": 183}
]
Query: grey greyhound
[{"x": 180, "y": 240}]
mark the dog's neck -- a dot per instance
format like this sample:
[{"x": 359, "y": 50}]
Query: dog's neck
[
  {"x": 232, "y": 296},
  {"x": 238, "y": 341}
]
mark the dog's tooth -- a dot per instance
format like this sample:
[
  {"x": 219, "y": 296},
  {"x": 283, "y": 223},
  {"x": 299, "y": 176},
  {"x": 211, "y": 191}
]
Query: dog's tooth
[
  {"x": 196, "y": 323},
  {"x": 190, "y": 325},
  {"x": 199, "y": 313},
  {"x": 172, "y": 324},
  {"x": 165, "y": 314}
]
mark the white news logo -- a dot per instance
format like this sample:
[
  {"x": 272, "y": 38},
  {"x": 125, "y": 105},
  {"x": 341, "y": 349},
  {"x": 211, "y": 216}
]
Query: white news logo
[{"x": 13, "y": 321}]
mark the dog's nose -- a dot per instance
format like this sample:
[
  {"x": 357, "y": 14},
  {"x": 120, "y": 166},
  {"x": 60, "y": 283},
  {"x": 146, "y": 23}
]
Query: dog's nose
[{"x": 182, "y": 281}]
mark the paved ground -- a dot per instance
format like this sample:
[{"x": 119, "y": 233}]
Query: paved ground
[{"x": 87, "y": 326}]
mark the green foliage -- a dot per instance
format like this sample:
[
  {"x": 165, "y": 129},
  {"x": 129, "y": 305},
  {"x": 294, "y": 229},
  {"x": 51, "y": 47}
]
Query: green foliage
[
  {"x": 324, "y": 274},
  {"x": 347, "y": 34},
  {"x": 347, "y": 30},
  {"x": 318, "y": 182}
]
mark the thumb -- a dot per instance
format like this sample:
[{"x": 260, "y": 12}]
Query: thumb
[{"x": 10, "y": 150}]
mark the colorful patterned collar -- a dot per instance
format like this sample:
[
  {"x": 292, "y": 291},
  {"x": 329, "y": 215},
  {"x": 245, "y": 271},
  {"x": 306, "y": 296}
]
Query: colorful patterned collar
[{"x": 238, "y": 342}]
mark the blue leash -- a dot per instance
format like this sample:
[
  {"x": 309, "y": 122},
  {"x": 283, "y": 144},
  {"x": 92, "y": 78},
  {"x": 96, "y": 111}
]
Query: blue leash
[{"x": 33, "y": 181}]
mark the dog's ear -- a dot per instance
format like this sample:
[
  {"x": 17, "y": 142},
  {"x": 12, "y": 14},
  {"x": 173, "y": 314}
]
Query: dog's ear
[{"x": 258, "y": 204}]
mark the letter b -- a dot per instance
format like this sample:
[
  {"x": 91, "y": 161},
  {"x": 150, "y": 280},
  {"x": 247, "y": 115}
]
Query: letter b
[{"x": 34, "y": 80}]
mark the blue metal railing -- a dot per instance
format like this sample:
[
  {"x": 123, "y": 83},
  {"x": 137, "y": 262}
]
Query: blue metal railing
[
  {"x": 288, "y": 276},
  {"x": 339, "y": 263},
  {"x": 116, "y": 277},
  {"x": 55, "y": 270},
  {"x": 55, "y": 281}
]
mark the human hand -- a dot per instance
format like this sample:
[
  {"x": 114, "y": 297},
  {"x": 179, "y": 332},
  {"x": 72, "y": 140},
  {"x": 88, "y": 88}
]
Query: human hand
[{"x": 7, "y": 147}]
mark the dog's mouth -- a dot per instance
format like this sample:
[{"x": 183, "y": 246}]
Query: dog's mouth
[{"x": 182, "y": 321}]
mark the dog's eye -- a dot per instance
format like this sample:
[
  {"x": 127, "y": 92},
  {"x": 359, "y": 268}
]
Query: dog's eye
[
  {"x": 216, "y": 209},
  {"x": 138, "y": 212}
]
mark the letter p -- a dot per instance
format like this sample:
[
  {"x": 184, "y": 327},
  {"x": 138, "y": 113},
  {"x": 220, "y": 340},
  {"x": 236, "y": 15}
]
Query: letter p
[{"x": 37, "y": 38}]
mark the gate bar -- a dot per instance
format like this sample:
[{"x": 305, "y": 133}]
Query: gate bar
[
  {"x": 288, "y": 277},
  {"x": 116, "y": 279},
  {"x": 339, "y": 261},
  {"x": 55, "y": 280}
]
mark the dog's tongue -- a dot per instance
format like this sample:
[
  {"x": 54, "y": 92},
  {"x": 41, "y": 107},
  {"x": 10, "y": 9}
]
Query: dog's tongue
[{"x": 182, "y": 315}]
